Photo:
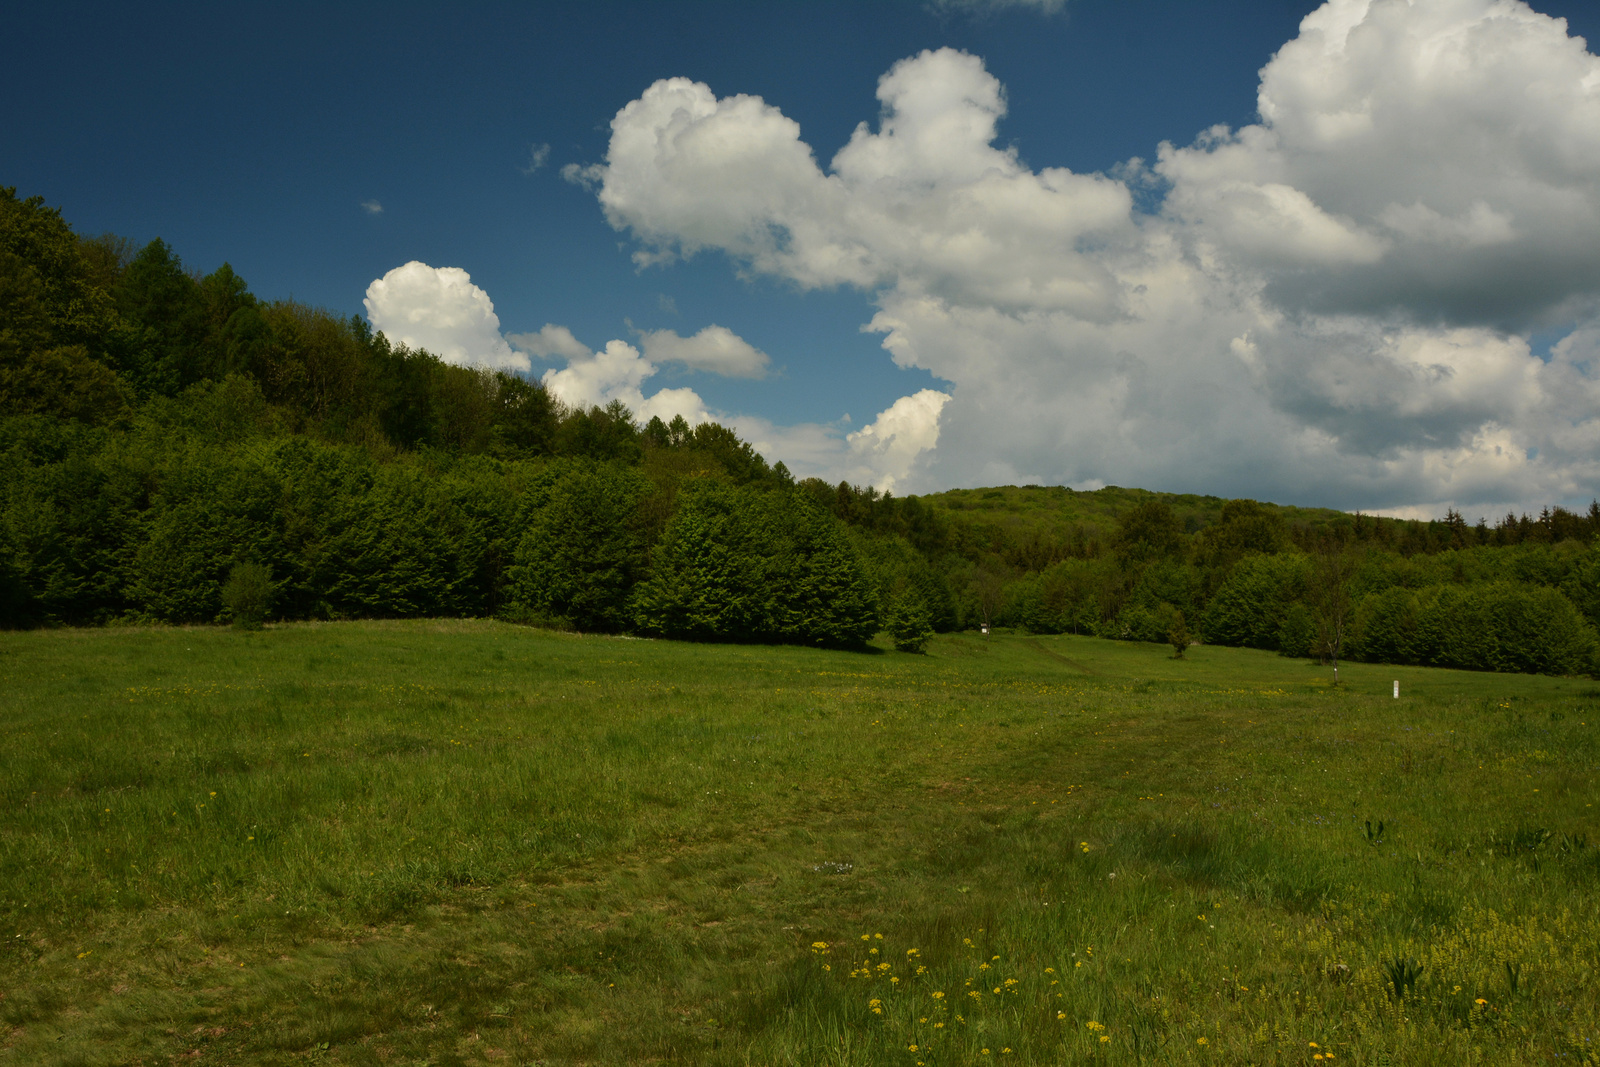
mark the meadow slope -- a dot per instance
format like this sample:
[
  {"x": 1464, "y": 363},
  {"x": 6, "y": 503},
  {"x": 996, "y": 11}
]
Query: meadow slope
[{"x": 468, "y": 842}]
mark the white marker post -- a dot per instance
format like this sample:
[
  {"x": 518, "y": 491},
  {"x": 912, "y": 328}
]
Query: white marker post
[{"x": 1397, "y": 689}]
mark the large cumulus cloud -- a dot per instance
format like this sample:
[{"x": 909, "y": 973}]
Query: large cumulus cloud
[
  {"x": 1333, "y": 304},
  {"x": 439, "y": 309}
]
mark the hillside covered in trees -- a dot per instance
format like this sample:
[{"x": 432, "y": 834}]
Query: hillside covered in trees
[{"x": 161, "y": 429}]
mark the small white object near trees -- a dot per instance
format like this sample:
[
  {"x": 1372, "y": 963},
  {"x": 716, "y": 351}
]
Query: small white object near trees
[{"x": 1397, "y": 689}]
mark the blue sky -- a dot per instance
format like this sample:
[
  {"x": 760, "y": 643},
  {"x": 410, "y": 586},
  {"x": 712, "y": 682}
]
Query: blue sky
[{"x": 255, "y": 134}]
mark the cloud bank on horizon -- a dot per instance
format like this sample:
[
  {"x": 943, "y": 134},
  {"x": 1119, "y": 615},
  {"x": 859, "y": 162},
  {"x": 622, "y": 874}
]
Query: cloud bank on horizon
[{"x": 1334, "y": 304}]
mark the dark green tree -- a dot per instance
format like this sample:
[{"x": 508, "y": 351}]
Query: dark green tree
[
  {"x": 1246, "y": 527},
  {"x": 909, "y": 624},
  {"x": 247, "y": 595},
  {"x": 165, "y": 306},
  {"x": 714, "y": 570},
  {"x": 1178, "y": 637},
  {"x": 747, "y": 564},
  {"x": 1149, "y": 532},
  {"x": 581, "y": 554}
]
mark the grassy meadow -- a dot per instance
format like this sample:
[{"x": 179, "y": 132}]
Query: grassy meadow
[{"x": 467, "y": 842}]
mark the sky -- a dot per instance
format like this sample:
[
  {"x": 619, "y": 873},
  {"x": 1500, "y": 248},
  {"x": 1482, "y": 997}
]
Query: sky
[{"x": 1343, "y": 254}]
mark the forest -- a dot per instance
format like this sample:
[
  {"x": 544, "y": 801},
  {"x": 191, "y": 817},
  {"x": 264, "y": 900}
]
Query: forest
[{"x": 175, "y": 449}]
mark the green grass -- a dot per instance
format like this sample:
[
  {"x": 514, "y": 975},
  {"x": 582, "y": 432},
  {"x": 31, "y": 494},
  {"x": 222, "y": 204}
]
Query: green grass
[{"x": 465, "y": 842}]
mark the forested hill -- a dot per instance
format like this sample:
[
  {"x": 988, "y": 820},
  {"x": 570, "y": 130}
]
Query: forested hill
[{"x": 163, "y": 433}]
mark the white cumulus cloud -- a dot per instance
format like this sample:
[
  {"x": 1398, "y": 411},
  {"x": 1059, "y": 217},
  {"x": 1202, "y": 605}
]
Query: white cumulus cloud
[
  {"x": 439, "y": 309},
  {"x": 551, "y": 342},
  {"x": 618, "y": 372},
  {"x": 889, "y": 446},
  {"x": 1333, "y": 304},
  {"x": 716, "y": 349}
]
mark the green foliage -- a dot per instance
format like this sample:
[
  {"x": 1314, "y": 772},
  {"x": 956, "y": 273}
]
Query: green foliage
[
  {"x": 909, "y": 624},
  {"x": 1297, "y": 633},
  {"x": 247, "y": 595},
  {"x": 164, "y": 307},
  {"x": 1496, "y": 626},
  {"x": 1178, "y": 637},
  {"x": 1151, "y": 531},
  {"x": 713, "y": 573},
  {"x": 1250, "y": 607},
  {"x": 1139, "y": 622},
  {"x": 743, "y": 564},
  {"x": 581, "y": 554},
  {"x": 64, "y": 382},
  {"x": 897, "y": 569},
  {"x": 1244, "y": 528}
]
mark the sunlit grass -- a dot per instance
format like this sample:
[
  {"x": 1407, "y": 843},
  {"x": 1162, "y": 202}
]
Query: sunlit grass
[{"x": 467, "y": 842}]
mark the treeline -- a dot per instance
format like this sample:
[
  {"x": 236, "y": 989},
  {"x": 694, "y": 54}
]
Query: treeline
[
  {"x": 1031, "y": 527},
  {"x": 1523, "y": 597},
  {"x": 160, "y": 429}
]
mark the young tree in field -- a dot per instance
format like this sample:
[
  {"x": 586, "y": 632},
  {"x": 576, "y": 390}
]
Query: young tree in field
[
  {"x": 989, "y": 587},
  {"x": 247, "y": 595},
  {"x": 1328, "y": 597},
  {"x": 1178, "y": 637},
  {"x": 908, "y": 623}
]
